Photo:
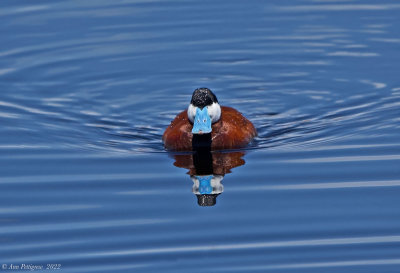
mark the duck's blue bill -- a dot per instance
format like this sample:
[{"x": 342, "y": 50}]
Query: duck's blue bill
[
  {"x": 205, "y": 184},
  {"x": 202, "y": 122}
]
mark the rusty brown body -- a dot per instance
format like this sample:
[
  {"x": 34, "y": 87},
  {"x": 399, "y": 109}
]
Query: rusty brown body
[{"x": 232, "y": 131}]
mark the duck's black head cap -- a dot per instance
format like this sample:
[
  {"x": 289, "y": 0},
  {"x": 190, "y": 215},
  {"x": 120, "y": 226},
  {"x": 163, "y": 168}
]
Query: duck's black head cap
[{"x": 203, "y": 97}]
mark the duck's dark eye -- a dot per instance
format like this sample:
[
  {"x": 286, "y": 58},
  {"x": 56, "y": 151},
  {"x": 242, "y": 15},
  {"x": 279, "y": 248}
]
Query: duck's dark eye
[{"x": 204, "y": 120}]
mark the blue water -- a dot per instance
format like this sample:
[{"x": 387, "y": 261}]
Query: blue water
[{"x": 88, "y": 87}]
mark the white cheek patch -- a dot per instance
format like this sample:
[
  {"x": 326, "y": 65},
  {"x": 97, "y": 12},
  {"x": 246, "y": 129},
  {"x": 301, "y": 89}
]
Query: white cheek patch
[
  {"x": 191, "y": 112},
  {"x": 214, "y": 111}
]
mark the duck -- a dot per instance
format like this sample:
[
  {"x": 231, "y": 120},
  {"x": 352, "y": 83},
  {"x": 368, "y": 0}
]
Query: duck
[{"x": 206, "y": 124}]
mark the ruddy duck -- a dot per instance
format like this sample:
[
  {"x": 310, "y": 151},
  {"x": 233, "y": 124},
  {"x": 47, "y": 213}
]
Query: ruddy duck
[{"x": 207, "y": 124}]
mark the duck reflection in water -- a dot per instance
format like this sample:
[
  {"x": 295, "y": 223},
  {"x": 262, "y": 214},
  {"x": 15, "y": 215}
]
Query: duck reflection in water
[{"x": 207, "y": 169}]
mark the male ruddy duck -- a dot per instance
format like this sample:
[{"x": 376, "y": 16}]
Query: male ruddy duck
[{"x": 207, "y": 124}]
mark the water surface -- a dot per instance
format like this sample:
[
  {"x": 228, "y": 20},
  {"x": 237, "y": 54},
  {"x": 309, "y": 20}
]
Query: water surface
[{"x": 88, "y": 88}]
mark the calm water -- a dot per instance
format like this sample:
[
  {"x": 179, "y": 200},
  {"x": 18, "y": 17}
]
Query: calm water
[{"x": 87, "y": 88}]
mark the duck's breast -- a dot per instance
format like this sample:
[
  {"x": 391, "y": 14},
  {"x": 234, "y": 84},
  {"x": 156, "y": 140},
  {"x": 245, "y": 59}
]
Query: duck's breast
[{"x": 232, "y": 131}]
